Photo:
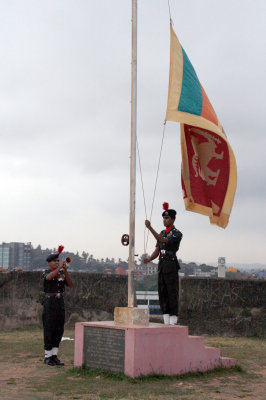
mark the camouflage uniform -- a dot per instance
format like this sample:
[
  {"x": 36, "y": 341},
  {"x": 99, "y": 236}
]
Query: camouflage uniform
[{"x": 168, "y": 282}]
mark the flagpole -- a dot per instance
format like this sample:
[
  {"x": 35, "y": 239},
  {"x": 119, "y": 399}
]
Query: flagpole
[{"x": 131, "y": 259}]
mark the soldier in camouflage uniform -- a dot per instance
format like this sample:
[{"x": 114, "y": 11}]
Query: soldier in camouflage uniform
[
  {"x": 55, "y": 279},
  {"x": 168, "y": 242}
]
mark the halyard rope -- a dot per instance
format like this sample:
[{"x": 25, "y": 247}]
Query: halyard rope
[
  {"x": 144, "y": 200},
  {"x": 146, "y": 238},
  {"x": 169, "y": 8},
  {"x": 155, "y": 185}
]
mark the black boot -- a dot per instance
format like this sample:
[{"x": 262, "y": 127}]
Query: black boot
[
  {"x": 57, "y": 361},
  {"x": 49, "y": 361}
]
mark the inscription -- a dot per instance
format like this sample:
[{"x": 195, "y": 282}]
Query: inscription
[{"x": 104, "y": 348}]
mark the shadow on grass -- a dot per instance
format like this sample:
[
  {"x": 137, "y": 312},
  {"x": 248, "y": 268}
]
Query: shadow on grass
[{"x": 88, "y": 372}]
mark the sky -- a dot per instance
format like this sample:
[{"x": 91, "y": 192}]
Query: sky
[{"x": 65, "y": 122}]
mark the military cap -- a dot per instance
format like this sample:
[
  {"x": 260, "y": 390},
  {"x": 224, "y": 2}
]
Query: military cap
[
  {"x": 168, "y": 212},
  {"x": 54, "y": 256}
]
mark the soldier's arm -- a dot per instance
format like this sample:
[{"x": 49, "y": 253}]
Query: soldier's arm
[
  {"x": 152, "y": 257},
  {"x": 157, "y": 236}
]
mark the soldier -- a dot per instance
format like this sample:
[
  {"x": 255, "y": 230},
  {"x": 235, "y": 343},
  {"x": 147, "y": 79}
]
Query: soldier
[
  {"x": 55, "y": 279},
  {"x": 168, "y": 242}
]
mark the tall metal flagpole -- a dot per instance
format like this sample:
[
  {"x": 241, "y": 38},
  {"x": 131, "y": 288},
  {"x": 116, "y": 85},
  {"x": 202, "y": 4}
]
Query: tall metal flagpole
[{"x": 133, "y": 157}]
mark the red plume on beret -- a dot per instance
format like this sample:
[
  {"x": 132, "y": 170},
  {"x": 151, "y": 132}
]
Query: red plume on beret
[
  {"x": 165, "y": 206},
  {"x": 60, "y": 249}
]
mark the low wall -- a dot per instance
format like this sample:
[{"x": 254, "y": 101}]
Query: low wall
[
  {"x": 208, "y": 306},
  {"x": 93, "y": 297},
  {"x": 219, "y": 306}
]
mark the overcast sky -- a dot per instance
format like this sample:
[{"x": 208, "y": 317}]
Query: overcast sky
[{"x": 65, "y": 121}]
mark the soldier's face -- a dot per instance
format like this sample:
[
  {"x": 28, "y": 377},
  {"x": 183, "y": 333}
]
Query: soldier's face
[
  {"x": 167, "y": 221},
  {"x": 53, "y": 264}
]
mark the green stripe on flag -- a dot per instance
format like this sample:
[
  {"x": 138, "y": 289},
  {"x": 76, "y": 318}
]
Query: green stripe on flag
[{"x": 191, "y": 95}]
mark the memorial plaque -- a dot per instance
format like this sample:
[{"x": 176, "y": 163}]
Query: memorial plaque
[{"x": 104, "y": 348}]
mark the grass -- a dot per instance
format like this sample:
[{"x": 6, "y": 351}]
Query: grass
[
  {"x": 23, "y": 375},
  {"x": 88, "y": 372}
]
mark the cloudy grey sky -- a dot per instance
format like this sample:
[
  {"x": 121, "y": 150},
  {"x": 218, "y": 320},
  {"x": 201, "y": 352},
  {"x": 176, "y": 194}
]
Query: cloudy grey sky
[{"x": 65, "y": 121}]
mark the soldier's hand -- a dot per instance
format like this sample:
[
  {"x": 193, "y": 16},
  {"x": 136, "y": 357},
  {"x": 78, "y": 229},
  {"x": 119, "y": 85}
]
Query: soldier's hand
[
  {"x": 147, "y": 224},
  {"x": 65, "y": 266},
  {"x": 146, "y": 260}
]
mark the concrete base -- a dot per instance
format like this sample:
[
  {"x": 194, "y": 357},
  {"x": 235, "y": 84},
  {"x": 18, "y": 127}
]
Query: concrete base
[
  {"x": 157, "y": 348},
  {"x": 131, "y": 316}
]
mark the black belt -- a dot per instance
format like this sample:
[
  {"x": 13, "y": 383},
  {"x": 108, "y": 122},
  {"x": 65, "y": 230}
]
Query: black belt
[
  {"x": 167, "y": 254},
  {"x": 57, "y": 295}
]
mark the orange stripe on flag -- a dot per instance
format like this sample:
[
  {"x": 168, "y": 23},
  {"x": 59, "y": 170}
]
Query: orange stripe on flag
[{"x": 207, "y": 109}]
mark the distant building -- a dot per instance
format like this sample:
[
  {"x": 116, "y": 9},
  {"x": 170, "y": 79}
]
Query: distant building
[
  {"x": 120, "y": 271},
  {"x": 4, "y": 256},
  {"x": 262, "y": 274},
  {"x": 15, "y": 254},
  {"x": 221, "y": 267},
  {"x": 149, "y": 269},
  {"x": 108, "y": 271},
  {"x": 197, "y": 271},
  {"x": 205, "y": 274}
]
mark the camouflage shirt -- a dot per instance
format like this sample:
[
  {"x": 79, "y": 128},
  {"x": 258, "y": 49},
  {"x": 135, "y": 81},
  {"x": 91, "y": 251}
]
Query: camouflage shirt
[
  {"x": 174, "y": 237},
  {"x": 55, "y": 285}
]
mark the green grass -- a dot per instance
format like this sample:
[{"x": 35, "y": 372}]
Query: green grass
[
  {"x": 24, "y": 376},
  {"x": 88, "y": 372}
]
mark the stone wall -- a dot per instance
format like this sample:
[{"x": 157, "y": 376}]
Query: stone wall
[
  {"x": 208, "y": 306},
  {"x": 219, "y": 306},
  {"x": 93, "y": 297}
]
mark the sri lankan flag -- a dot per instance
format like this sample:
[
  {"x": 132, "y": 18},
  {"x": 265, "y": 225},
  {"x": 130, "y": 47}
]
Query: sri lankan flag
[{"x": 209, "y": 173}]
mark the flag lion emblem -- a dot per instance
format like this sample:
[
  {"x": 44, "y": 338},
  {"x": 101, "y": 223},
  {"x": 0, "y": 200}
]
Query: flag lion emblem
[{"x": 204, "y": 152}]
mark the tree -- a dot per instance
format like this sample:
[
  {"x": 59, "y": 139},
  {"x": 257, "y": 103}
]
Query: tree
[{"x": 85, "y": 256}]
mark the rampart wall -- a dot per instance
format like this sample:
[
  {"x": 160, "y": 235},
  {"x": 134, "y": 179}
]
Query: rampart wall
[
  {"x": 93, "y": 297},
  {"x": 207, "y": 305},
  {"x": 223, "y": 306}
]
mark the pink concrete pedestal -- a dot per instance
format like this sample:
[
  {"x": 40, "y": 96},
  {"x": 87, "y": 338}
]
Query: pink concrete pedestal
[{"x": 157, "y": 348}]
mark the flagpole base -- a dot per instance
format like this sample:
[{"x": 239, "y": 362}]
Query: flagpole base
[{"x": 131, "y": 316}]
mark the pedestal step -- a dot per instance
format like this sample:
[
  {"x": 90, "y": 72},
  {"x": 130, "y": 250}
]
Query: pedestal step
[{"x": 141, "y": 350}]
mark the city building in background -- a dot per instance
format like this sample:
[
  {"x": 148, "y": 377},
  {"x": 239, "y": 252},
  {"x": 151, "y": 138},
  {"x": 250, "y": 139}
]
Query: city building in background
[
  {"x": 120, "y": 271},
  {"x": 4, "y": 256},
  {"x": 149, "y": 269},
  {"x": 15, "y": 254},
  {"x": 221, "y": 267}
]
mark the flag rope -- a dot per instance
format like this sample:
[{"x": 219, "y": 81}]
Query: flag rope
[
  {"x": 146, "y": 238},
  {"x": 156, "y": 182},
  {"x": 142, "y": 186},
  {"x": 170, "y": 17},
  {"x": 141, "y": 177}
]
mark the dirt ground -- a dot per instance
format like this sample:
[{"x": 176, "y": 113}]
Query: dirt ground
[{"x": 23, "y": 376}]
